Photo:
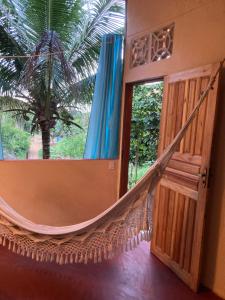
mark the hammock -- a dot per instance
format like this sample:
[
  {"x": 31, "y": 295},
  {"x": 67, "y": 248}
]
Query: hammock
[{"x": 119, "y": 228}]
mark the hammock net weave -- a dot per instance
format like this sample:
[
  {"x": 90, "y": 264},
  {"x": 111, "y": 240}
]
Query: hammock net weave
[{"x": 120, "y": 228}]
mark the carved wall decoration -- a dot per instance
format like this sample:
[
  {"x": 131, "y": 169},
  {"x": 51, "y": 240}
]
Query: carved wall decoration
[
  {"x": 139, "y": 51},
  {"x": 162, "y": 43}
]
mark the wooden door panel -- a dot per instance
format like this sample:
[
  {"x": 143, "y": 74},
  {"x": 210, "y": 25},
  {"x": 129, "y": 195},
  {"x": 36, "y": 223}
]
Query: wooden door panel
[
  {"x": 175, "y": 223},
  {"x": 180, "y": 188},
  {"x": 181, "y": 194},
  {"x": 183, "y": 178},
  {"x": 175, "y": 227}
]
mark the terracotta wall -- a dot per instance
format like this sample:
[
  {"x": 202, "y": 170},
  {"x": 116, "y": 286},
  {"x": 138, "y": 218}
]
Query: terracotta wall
[
  {"x": 199, "y": 33},
  {"x": 58, "y": 192},
  {"x": 199, "y": 40}
]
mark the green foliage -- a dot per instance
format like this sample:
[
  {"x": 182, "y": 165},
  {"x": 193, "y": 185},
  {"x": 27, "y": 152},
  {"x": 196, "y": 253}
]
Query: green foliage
[
  {"x": 72, "y": 140},
  {"x": 69, "y": 147},
  {"x": 136, "y": 172},
  {"x": 62, "y": 39},
  {"x": 146, "y": 110},
  {"x": 57, "y": 15},
  {"x": 15, "y": 140}
]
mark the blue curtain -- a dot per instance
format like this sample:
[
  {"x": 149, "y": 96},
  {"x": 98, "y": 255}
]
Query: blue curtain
[{"x": 103, "y": 132}]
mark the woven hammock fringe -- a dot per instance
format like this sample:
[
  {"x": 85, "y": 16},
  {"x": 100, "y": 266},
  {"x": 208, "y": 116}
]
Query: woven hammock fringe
[{"x": 97, "y": 255}]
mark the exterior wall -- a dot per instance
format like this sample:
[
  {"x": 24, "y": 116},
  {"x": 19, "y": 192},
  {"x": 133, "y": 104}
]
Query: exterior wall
[
  {"x": 58, "y": 192},
  {"x": 199, "y": 39}
]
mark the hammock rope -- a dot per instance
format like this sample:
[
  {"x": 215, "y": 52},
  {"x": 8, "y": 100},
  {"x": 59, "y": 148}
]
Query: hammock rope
[{"x": 119, "y": 228}]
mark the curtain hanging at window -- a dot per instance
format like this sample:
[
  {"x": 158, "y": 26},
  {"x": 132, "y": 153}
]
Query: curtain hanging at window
[{"x": 103, "y": 132}]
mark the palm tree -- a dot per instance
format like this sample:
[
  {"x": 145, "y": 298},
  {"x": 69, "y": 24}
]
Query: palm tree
[{"x": 48, "y": 52}]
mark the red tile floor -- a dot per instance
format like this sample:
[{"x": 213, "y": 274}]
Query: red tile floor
[{"x": 135, "y": 275}]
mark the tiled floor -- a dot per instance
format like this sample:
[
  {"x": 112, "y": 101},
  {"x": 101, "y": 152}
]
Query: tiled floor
[{"x": 135, "y": 275}]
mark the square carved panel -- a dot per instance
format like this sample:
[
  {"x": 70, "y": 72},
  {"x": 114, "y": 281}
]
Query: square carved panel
[
  {"x": 162, "y": 43},
  {"x": 139, "y": 51}
]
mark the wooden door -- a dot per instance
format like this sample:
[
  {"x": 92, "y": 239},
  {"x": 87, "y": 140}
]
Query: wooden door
[{"x": 180, "y": 201}]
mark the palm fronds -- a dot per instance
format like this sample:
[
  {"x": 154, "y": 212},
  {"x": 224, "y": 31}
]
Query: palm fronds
[
  {"x": 102, "y": 17},
  {"x": 56, "y": 45}
]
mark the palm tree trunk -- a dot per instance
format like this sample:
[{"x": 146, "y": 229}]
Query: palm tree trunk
[{"x": 45, "y": 143}]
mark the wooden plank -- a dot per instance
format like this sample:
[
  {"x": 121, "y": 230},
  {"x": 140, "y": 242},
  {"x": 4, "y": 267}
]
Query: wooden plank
[
  {"x": 191, "y": 98},
  {"x": 172, "y": 118},
  {"x": 169, "y": 118},
  {"x": 179, "y": 108},
  {"x": 184, "y": 114},
  {"x": 187, "y": 179},
  {"x": 179, "y": 188},
  {"x": 165, "y": 218},
  {"x": 201, "y": 121},
  {"x": 192, "y": 159},
  {"x": 190, "y": 74},
  {"x": 189, "y": 236},
  {"x": 182, "y": 181},
  {"x": 180, "y": 214},
  {"x": 194, "y": 177},
  {"x": 126, "y": 140},
  {"x": 174, "y": 225},
  {"x": 184, "y": 231},
  {"x": 184, "y": 166},
  {"x": 169, "y": 227},
  {"x": 195, "y": 121}
]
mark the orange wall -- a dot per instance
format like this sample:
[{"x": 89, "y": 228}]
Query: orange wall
[
  {"x": 58, "y": 192},
  {"x": 199, "y": 33},
  {"x": 199, "y": 39}
]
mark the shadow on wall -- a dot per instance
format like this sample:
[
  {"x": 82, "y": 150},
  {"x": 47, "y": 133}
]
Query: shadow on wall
[{"x": 212, "y": 271}]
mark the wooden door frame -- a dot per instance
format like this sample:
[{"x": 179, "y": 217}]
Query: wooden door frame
[{"x": 126, "y": 128}]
